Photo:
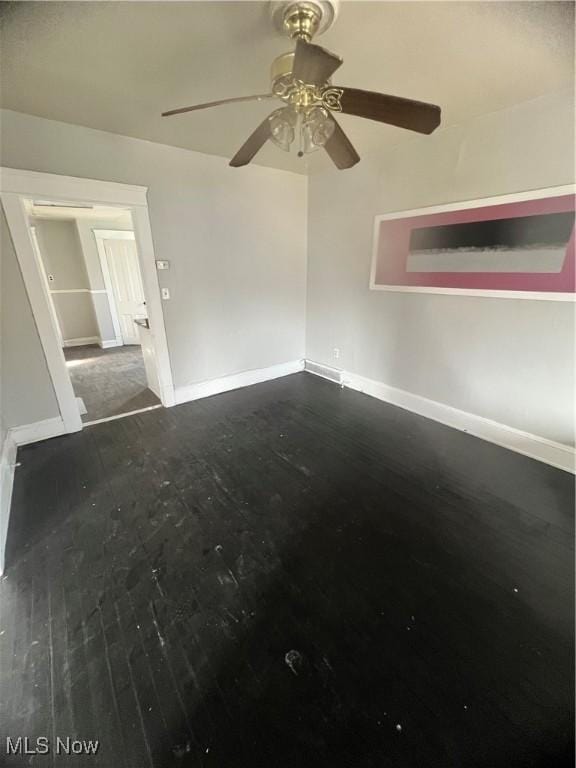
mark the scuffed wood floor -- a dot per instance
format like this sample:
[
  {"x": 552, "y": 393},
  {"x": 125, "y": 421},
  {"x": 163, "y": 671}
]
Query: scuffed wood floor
[{"x": 288, "y": 576}]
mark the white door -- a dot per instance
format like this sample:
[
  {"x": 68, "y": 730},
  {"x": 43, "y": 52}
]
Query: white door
[{"x": 124, "y": 270}]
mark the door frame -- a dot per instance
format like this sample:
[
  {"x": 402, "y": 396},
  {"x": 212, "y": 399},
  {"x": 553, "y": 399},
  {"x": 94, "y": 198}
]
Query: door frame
[
  {"x": 18, "y": 185},
  {"x": 112, "y": 234},
  {"x": 38, "y": 254}
]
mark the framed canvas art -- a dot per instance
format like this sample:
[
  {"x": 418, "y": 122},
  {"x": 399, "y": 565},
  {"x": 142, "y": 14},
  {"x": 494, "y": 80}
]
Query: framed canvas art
[{"x": 512, "y": 246}]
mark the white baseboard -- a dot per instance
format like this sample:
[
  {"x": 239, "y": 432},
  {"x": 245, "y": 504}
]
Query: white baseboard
[
  {"x": 40, "y": 430},
  {"x": 556, "y": 454},
  {"x": 107, "y": 343},
  {"x": 81, "y": 342},
  {"x": 7, "y": 466},
  {"x": 324, "y": 371},
  {"x": 16, "y": 436},
  {"x": 235, "y": 381}
]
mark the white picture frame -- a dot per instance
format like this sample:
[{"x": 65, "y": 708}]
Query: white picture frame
[{"x": 534, "y": 194}]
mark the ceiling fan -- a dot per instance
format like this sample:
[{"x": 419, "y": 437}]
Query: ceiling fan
[{"x": 302, "y": 80}]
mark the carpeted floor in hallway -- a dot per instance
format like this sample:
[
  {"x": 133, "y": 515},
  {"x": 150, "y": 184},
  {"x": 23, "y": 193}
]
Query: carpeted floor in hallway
[{"x": 109, "y": 381}]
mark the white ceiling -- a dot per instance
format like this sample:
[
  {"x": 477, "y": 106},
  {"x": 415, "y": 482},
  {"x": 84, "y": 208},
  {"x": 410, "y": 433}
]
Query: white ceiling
[{"x": 116, "y": 65}]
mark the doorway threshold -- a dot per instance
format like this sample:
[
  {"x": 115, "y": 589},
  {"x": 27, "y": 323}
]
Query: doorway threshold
[{"x": 121, "y": 415}]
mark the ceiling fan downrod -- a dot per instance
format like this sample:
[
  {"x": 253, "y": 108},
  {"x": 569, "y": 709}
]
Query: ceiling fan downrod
[{"x": 302, "y": 20}]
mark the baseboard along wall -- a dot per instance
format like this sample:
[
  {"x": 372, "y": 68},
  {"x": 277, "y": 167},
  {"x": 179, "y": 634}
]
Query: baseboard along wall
[
  {"x": 107, "y": 343},
  {"x": 235, "y": 381},
  {"x": 81, "y": 341},
  {"x": 40, "y": 430},
  {"x": 556, "y": 454},
  {"x": 16, "y": 436},
  {"x": 7, "y": 467}
]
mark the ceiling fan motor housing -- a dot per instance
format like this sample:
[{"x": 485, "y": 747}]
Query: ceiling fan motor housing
[
  {"x": 300, "y": 96},
  {"x": 281, "y": 66},
  {"x": 304, "y": 18}
]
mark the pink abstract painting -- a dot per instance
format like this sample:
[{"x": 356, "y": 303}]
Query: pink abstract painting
[{"x": 525, "y": 246}]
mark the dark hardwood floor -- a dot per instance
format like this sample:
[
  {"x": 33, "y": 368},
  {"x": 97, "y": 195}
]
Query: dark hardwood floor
[{"x": 291, "y": 575}]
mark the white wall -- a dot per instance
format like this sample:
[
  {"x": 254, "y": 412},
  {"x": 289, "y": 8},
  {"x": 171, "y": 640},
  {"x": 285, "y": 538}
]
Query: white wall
[
  {"x": 236, "y": 240},
  {"x": 506, "y": 360},
  {"x": 237, "y": 246},
  {"x": 63, "y": 260},
  {"x": 61, "y": 254}
]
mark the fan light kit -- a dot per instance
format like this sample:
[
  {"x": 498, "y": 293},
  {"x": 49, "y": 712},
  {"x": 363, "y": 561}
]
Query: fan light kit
[{"x": 302, "y": 80}]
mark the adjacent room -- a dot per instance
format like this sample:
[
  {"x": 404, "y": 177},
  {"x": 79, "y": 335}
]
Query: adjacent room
[
  {"x": 89, "y": 262},
  {"x": 287, "y": 376}
]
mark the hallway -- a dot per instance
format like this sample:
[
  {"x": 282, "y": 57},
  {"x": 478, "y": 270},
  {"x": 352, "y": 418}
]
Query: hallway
[{"x": 109, "y": 381}]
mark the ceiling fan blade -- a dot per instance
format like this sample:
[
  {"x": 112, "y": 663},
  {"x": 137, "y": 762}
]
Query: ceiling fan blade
[
  {"x": 181, "y": 110},
  {"x": 340, "y": 149},
  {"x": 252, "y": 145},
  {"x": 404, "y": 113},
  {"x": 313, "y": 64}
]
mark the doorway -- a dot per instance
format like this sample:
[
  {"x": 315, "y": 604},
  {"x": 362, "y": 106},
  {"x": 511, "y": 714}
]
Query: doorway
[
  {"x": 87, "y": 259},
  {"x": 121, "y": 274},
  {"x": 94, "y": 283}
]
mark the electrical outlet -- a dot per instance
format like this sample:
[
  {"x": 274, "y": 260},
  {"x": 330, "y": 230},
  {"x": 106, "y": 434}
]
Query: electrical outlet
[
  {"x": 162, "y": 264},
  {"x": 50, "y": 278},
  {"x": 336, "y": 352},
  {"x": 165, "y": 294}
]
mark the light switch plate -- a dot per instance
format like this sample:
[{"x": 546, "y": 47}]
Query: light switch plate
[{"x": 165, "y": 294}]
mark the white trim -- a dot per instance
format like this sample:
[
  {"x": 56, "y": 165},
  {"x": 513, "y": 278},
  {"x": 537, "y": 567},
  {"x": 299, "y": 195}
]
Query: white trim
[
  {"x": 324, "y": 371},
  {"x": 235, "y": 381},
  {"x": 147, "y": 259},
  {"x": 76, "y": 290},
  {"x": 15, "y": 187},
  {"x": 41, "y": 268},
  {"x": 40, "y": 303},
  {"x": 81, "y": 341},
  {"x": 70, "y": 188},
  {"x": 115, "y": 234},
  {"x": 488, "y": 294},
  {"x": 484, "y": 202},
  {"x": 7, "y": 466},
  {"x": 39, "y": 430},
  {"x": 99, "y": 237},
  {"x": 107, "y": 343},
  {"x": 69, "y": 290},
  {"x": 556, "y": 454},
  {"x": 516, "y": 197},
  {"x": 122, "y": 415}
]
